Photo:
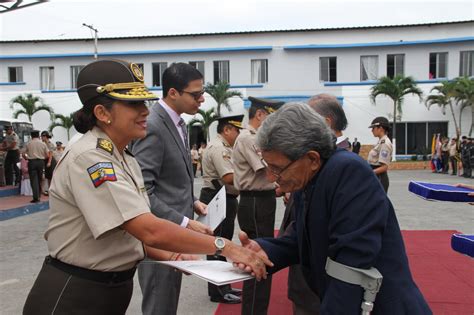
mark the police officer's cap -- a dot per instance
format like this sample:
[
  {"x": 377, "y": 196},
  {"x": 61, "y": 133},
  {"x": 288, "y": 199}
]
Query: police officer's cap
[
  {"x": 235, "y": 120},
  {"x": 45, "y": 134},
  {"x": 269, "y": 105},
  {"x": 116, "y": 79},
  {"x": 9, "y": 126},
  {"x": 35, "y": 133},
  {"x": 380, "y": 122},
  {"x": 59, "y": 143}
]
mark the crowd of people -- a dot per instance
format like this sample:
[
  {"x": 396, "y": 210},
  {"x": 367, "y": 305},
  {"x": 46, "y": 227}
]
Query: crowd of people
[
  {"x": 123, "y": 196},
  {"x": 452, "y": 154},
  {"x": 30, "y": 167}
]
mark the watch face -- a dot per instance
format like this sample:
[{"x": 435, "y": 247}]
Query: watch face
[{"x": 220, "y": 243}]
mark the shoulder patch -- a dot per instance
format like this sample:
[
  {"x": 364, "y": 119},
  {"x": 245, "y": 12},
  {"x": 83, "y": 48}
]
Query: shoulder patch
[
  {"x": 105, "y": 145},
  {"x": 101, "y": 172},
  {"x": 226, "y": 155},
  {"x": 384, "y": 154}
]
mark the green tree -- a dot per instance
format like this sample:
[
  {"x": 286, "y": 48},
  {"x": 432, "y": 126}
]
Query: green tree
[
  {"x": 464, "y": 95},
  {"x": 62, "y": 121},
  {"x": 29, "y": 105},
  {"x": 444, "y": 97},
  {"x": 207, "y": 118},
  {"x": 221, "y": 94},
  {"x": 396, "y": 89}
]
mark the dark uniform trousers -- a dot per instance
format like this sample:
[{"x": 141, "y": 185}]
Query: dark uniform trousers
[
  {"x": 35, "y": 170},
  {"x": 11, "y": 159},
  {"x": 256, "y": 215},
  {"x": 225, "y": 229},
  {"x": 383, "y": 178},
  {"x": 71, "y": 294},
  {"x": 466, "y": 161}
]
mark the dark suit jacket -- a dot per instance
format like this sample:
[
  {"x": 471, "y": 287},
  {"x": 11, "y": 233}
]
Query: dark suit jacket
[
  {"x": 344, "y": 213},
  {"x": 166, "y": 167}
]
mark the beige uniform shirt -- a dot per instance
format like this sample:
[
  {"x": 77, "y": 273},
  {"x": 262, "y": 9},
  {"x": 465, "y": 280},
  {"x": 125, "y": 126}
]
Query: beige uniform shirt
[
  {"x": 51, "y": 147},
  {"x": 381, "y": 153},
  {"x": 9, "y": 139},
  {"x": 36, "y": 149},
  {"x": 249, "y": 171},
  {"x": 94, "y": 191},
  {"x": 216, "y": 163}
]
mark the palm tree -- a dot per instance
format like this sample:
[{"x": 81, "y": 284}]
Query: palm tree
[
  {"x": 62, "y": 121},
  {"x": 444, "y": 98},
  {"x": 396, "y": 89},
  {"x": 207, "y": 118},
  {"x": 221, "y": 94},
  {"x": 464, "y": 95},
  {"x": 28, "y": 102}
]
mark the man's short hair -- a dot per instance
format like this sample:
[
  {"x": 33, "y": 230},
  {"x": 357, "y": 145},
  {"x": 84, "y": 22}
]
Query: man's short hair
[
  {"x": 328, "y": 106},
  {"x": 178, "y": 76}
]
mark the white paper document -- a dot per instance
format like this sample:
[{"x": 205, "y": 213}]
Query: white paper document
[
  {"x": 214, "y": 271},
  {"x": 216, "y": 210}
]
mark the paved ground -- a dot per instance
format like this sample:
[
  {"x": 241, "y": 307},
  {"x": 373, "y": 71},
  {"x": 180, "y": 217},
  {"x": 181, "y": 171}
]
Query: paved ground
[{"x": 22, "y": 247}]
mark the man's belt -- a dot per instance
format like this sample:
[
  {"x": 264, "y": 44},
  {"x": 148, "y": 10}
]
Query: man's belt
[
  {"x": 93, "y": 275},
  {"x": 213, "y": 192},
  {"x": 258, "y": 193}
]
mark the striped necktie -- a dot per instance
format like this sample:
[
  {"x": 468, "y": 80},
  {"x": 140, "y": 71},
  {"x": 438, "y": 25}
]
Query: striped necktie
[{"x": 184, "y": 130}]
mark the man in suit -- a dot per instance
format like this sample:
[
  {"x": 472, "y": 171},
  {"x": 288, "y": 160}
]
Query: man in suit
[
  {"x": 342, "y": 213},
  {"x": 165, "y": 160},
  {"x": 356, "y": 146}
]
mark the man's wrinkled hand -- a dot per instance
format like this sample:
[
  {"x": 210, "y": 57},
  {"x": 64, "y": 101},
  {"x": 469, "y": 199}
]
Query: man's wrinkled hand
[
  {"x": 199, "y": 227},
  {"x": 200, "y": 208},
  {"x": 260, "y": 253}
]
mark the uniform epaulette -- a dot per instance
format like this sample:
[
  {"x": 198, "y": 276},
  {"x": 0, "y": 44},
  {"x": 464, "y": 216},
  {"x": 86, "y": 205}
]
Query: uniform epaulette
[{"x": 105, "y": 145}]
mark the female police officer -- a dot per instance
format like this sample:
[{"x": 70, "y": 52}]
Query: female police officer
[
  {"x": 100, "y": 224},
  {"x": 381, "y": 155}
]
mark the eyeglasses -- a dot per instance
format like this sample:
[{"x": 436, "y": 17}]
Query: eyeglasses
[
  {"x": 196, "y": 95},
  {"x": 276, "y": 172}
]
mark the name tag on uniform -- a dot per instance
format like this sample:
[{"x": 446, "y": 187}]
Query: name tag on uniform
[{"x": 101, "y": 172}]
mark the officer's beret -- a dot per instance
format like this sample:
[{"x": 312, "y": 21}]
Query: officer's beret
[
  {"x": 269, "y": 105},
  {"x": 116, "y": 79},
  {"x": 380, "y": 122},
  {"x": 235, "y": 120}
]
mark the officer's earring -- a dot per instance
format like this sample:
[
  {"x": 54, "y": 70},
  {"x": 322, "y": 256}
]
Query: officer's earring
[{"x": 108, "y": 122}]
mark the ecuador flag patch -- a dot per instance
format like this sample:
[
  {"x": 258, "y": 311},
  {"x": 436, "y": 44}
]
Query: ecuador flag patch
[{"x": 101, "y": 172}]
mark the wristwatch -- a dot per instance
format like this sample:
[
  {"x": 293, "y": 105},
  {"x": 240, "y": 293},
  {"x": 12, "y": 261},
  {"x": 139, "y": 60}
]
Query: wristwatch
[{"x": 219, "y": 242}]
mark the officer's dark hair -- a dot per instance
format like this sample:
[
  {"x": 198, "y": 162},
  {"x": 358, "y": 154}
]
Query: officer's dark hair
[
  {"x": 222, "y": 125},
  {"x": 328, "y": 106},
  {"x": 253, "y": 111},
  {"x": 84, "y": 119},
  {"x": 178, "y": 76}
]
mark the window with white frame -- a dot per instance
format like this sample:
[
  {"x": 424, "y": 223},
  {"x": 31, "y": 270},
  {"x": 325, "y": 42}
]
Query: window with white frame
[
  {"x": 259, "y": 69},
  {"x": 395, "y": 65},
  {"x": 221, "y": 71},
  {"x": 46, "y": 78},
  {"x": 438, "y": 65},
  {"x": 158, "y": 68},
  {"x": 369, "y": 66},
  {"x": 466, "y": 63},
  {"x": 15, "y": 74},
  {"x": 199, "y": 65},
  {"x": 327, "y": 69},
  {"x": 74, "y": 73}
]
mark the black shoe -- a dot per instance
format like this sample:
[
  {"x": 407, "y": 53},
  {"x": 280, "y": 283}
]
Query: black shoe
[
  {"x": 235, "y": 291},
  {"x": 227, "y": 298},
  {"x": 34, "y": 201}
]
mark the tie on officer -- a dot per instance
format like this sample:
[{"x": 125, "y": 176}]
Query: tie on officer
[
  {"x": 219, "y": 171},
  {"x": 256, "y": 212}
]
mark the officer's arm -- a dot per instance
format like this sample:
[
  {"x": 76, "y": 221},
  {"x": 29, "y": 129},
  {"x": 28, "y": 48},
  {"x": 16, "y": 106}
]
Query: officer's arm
[
  {"x": 359, "y": 209},
  {"x": 228, "y": 179}
]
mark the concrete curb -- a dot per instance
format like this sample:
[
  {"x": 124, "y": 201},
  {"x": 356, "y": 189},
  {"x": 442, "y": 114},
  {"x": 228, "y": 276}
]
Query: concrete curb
[{"x": 24, "y": 210}]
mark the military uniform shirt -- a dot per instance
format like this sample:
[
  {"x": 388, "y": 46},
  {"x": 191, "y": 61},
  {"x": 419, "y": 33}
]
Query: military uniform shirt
[
  {"x": 9, "y": 139},
  {"x": 217, "y": 162},
  {"x": 36, "y": 149},
  {"x": 247, "y": 162},
  {"x": 94, "y": 191},
  {"x": 381, "y": 153},
  {"x": 51, "y": 147}
]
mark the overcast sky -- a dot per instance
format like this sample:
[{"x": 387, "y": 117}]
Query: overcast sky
[{"x": 58, "y": 19}]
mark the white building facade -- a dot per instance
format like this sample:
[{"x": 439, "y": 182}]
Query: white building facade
[{"x": 287, "y": 65}]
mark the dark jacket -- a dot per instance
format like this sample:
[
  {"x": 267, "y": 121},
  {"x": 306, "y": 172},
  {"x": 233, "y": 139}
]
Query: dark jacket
[{"x": 344, "y": 213}]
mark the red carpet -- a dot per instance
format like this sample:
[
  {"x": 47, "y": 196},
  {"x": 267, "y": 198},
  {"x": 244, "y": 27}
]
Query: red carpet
[{"x": 445, "y": 277}]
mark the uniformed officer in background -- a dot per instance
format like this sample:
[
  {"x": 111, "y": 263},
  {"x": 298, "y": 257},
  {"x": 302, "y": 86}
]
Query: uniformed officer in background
[
  {"x": 380, "y": 156},
  {"x": 219, "y": 171},
  {"x": 36, "y": 152},
  {"x": 256, "y": 212},
  {"x": 11, "y": 145},
  {"x": 465, "y": 147}
]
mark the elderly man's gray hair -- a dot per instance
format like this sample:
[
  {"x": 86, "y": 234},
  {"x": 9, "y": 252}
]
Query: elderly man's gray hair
[{"x": 294, "y": 130}]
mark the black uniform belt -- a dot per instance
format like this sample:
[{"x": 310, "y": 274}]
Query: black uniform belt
[
  {"x": 35, "y": 159},
  {"x": 258, "y": 193},
  {"x": 376, "y": 166},
  {"x": 213, "y": 192},
  {"x": 93, "y": 275}
]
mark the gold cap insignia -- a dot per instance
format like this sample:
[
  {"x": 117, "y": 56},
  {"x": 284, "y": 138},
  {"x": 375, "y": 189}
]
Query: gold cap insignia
[
  {"x": 137, "y": 72},
  {"x": 236, "y": 123},
  {"x": 105, "y": 145}
]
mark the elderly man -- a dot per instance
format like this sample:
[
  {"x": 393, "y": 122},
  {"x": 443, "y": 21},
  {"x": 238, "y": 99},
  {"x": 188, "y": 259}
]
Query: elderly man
[{"x": 342, "y": 214}]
